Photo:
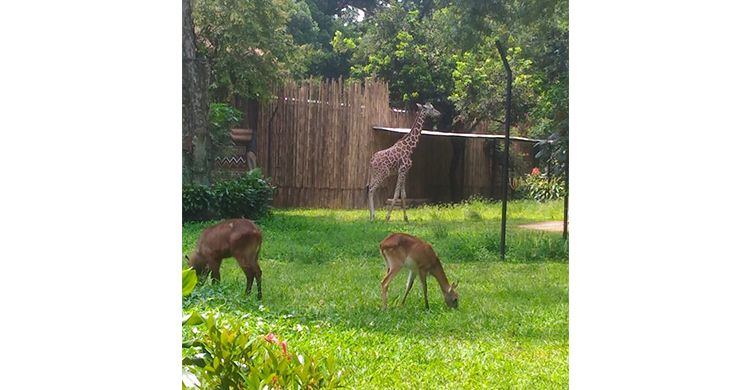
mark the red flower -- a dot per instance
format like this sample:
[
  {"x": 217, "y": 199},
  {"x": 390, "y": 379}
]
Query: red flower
[
  {"x": 271, "y": 338},
  {"x": 535, "y": 171},
  {"x": 283, "y": 349}
]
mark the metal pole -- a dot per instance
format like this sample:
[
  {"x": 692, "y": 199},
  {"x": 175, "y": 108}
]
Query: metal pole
[
  {"x": 567, "y": 193},
  {"x": 506, "y": 156}
]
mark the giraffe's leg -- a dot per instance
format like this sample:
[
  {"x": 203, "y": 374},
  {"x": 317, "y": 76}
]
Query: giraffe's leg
[
  {"x": 403, "y": 199},
  {"x": 393, "y": 201},
  {"x": 371, "y": 201}
]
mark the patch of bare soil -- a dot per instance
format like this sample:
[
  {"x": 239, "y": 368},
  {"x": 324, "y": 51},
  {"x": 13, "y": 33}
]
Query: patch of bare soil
[{"x": 547, "y": 226}]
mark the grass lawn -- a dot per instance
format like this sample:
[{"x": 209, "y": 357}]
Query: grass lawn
[{"x": 321, "y": 292}]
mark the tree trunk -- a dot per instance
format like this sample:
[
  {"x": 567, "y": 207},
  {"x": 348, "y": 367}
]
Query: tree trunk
[{"x": 194, "y": 104}]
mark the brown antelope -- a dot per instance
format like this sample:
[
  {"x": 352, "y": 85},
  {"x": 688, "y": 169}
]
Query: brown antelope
[
  {"x": 404, "y": 250},
  {"x": 238, "y": 238}
]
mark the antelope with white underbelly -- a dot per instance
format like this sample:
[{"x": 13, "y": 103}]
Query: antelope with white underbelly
[{"x": 402, "y": 250}]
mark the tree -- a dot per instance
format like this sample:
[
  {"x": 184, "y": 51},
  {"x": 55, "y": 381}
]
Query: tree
[
  {"x": 249, "y": 45},
  {"x": 398, "y": 46},
  {"x": 253, "y": 44},
  {"x": 195, "y": 72},
  {"x": 535, "y": 34},
  {"x": 334, "y": 17}
]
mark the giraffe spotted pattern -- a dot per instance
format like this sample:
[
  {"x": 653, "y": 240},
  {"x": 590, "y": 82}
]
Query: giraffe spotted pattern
[{"x": 396, "y": 160}]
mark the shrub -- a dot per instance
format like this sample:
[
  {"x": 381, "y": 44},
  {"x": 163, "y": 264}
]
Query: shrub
[
  {"x": 227, "y": 356},
  {"x": 247, "y": 196},
  {"x": 197, "y": 202},
  {"x": 540, "y": 187}
]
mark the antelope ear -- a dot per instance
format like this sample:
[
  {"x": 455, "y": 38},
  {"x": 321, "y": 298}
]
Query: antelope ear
[
  {"x": 420, "y": 106},
  {"x": 454, "y": 285},
  {"x": 187, "y": 258}
]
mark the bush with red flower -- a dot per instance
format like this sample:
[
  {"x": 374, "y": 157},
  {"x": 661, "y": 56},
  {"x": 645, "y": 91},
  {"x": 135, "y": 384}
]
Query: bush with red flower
[
  {"x": 540, "y": 186},
  {"x": 228, "y": 355}
]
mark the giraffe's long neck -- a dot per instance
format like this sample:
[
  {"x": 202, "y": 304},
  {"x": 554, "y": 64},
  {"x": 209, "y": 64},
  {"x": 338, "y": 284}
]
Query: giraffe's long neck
[{"x": 412, "y": 138}]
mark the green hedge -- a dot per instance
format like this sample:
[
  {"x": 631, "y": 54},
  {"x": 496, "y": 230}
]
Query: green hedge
[{"x": 247, "y": 196}]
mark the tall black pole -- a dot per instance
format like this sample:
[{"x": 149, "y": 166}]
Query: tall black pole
[
  {"x": 506, "y": 155},
  {"x": 567, "y": 193}
]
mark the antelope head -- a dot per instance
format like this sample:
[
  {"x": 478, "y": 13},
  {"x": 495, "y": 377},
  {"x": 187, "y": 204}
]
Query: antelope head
[{"x": 451, "y": 296}]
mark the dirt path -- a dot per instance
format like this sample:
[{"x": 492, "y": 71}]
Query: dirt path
[{"x": 547, "y": 226}]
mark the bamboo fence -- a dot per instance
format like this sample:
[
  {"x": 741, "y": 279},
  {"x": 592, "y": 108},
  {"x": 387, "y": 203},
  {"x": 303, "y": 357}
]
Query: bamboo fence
[{"x": 315, "y": 140}]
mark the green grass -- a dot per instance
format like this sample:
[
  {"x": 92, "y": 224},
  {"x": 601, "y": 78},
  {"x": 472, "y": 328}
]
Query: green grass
[{"x": 321, "y": 278}]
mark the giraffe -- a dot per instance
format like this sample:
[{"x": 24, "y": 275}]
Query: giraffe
[{"x": 396, "y": 159}]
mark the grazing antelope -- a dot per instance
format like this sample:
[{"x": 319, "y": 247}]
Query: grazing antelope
[
  {"x": 404, "y": 250},
  {"x": 238, "y": 238}
]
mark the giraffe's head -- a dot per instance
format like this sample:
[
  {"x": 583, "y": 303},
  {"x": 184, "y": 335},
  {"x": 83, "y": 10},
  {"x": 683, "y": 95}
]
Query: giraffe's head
[{"x": 429, "y": 110}]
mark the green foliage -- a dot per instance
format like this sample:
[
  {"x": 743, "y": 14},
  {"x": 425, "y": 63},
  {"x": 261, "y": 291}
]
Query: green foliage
[
  {"x": 398, "y": 47},
  {"x": 342, "y": 44},
  {"x": 542, "y": 188},
  {"x": 226, "y": 355},
  {"x": 253, "y": 44},
  {"x": 540, "y": 28},
  {"x": 248, "y": 196},
  {"x": 322, "y": 272},
  {"x": 189, "y": 280},
  {"x": 480, "y": 80},
  {"x": 445, "y": 52},
  {"x": 333, "y": 19},
  {"x": 197, "y": 202},
  {"x": 554, "y": 152},
  {"x": 222, "y": 117},
  {"x": 248, "y": 45}
]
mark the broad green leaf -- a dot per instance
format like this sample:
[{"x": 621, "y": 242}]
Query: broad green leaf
[
  {"x": 192, "y": 319},
  {"x": 189, "y": 280}
]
